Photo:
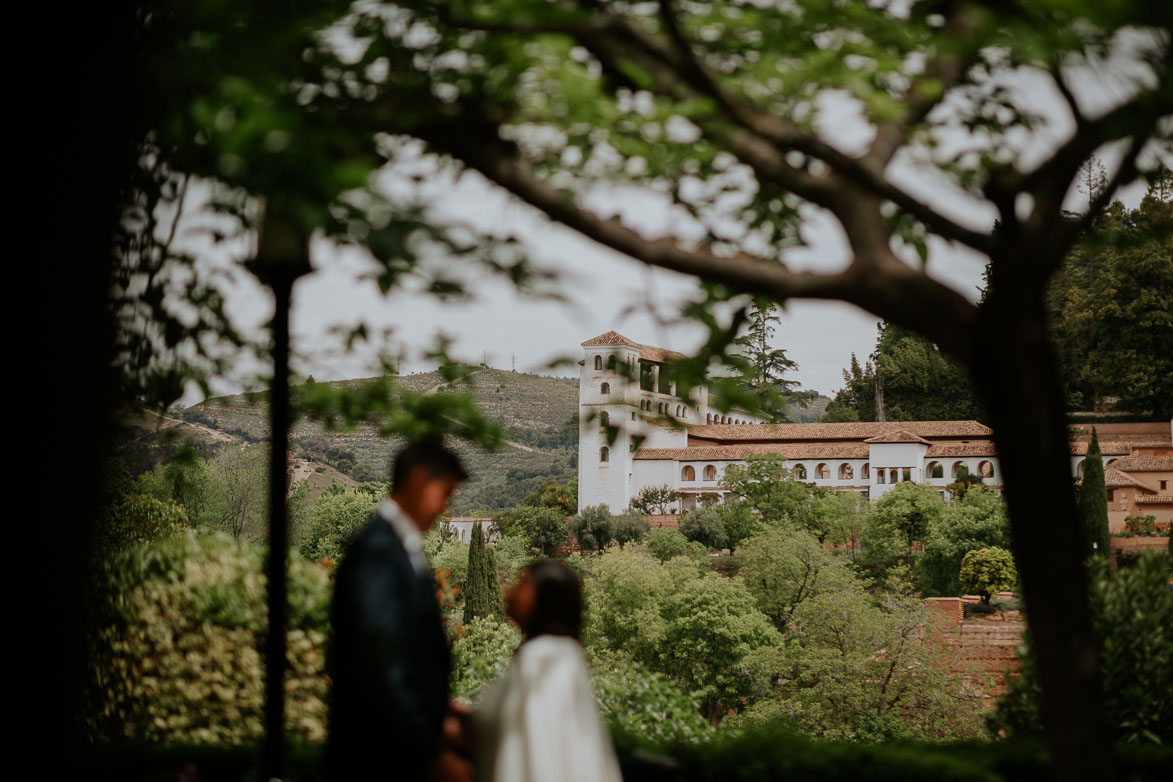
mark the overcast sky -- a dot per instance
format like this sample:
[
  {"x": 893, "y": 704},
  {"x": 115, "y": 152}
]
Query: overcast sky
[{"x": 604, "y": 290}]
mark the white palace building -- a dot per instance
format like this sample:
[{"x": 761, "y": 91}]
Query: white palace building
[{"x": 626, "y": 386}]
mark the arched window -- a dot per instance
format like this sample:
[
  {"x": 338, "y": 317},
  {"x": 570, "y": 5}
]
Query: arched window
[
  {"x": 823, "y": 472},
  {"x": 605, "y": 388},
  {"x": 879, "y": 476},
  {"x": 604, "y": 420},
  {"x": 598, "y": 362},
  {"x": 985, "y": 469},
  {"x": 710, "y": 472},
  {"x": 604, "y": 454},
  {"x": 935, "y": 470},
  {"x": 708, "y": 418},
  {"x": 893, "y": 475},
  {"x": 865, "y": 472},
  {"x": 611, "y": 363},
  {"x": 800, "y": 472},
  {"x": 846, "y": 473},
  {"x": 1082, "y": 465},
  {"x": 959, "y": 470},
  {"x": 688, "y": 473}
]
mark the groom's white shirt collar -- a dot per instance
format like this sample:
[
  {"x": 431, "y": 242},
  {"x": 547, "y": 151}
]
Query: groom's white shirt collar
[{"x": 408, "y": 533}]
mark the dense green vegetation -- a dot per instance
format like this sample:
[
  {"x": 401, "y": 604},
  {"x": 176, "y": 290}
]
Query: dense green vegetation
[
  {"x": 1110, "y": 310},
  {"x": 1133, "y": 609},
  {"x": 799, "y": 636}
]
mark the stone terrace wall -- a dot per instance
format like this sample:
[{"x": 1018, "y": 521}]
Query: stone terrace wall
[
  {"x": 665, "y": 521},
  {"x": 984, "y": 650}
]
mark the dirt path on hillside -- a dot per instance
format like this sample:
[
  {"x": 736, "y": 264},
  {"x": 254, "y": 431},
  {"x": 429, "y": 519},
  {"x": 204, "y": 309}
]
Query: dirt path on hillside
[
  {"x": 215, "y": 434},
  {"x": 436, "y": 388}
]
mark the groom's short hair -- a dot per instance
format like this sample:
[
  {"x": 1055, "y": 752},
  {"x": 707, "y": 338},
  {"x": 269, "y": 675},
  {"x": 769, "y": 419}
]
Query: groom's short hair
[{"x": 431, "y": 455}]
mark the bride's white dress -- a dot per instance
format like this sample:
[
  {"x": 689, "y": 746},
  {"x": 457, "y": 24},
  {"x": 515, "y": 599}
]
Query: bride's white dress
[{"x": 539, "y": 722}]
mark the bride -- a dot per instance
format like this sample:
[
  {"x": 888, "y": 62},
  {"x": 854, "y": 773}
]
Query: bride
[{"x": 539, "y": 722}]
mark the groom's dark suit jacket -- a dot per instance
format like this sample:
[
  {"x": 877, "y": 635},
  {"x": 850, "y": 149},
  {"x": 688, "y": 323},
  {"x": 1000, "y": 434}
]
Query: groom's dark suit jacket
[{"x": 389, "y": 662}]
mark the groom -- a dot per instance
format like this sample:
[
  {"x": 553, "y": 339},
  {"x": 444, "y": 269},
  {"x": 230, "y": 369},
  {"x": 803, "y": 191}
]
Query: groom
[{"x": 389, "y": 658}]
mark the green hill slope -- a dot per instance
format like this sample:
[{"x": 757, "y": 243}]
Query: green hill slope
[{"x": 537, "y": 412}]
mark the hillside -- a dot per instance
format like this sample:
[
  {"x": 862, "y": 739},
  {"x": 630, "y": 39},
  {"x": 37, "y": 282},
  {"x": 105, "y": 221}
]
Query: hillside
[{"x": 537, "y": 413}]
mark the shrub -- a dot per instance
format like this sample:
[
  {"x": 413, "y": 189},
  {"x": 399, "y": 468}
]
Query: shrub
[
  {"x": 1141, "y": 525},
  {"x": 704, "y": 526},
  {"x": 640, "y": 703},
  {"x": 631, "y": 527},
  {"x": 988, "y": 570},
  {"x": 453, "y": 559},
  {"x": 138, "y": 519},
  {"x": 176, "y": 647},
  {"x": 666, "y": 544},
  {"x": 337, "y": 518},
  {"x": 481, "y": 655},
  {"x": 594, "y": 528}
]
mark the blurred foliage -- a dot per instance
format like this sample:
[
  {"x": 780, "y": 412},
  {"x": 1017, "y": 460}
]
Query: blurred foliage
[
  {"x": 176, "y": 648},
  {"x": 335, "y": 519},
  {"x": 643, "y": 704},
  {"x": 481, "y": 655},
  {"x": 137, "y": 519},
  {"x": 1133, "y": 614}
]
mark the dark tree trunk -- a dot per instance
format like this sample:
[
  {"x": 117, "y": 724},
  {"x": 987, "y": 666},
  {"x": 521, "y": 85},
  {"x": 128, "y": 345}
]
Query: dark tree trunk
[{"x": 1015, "y": 374}]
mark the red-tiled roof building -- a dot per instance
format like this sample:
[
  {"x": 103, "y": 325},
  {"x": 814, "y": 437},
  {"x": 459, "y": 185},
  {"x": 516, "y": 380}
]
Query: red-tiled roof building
[{"x": 635, "y": 433}]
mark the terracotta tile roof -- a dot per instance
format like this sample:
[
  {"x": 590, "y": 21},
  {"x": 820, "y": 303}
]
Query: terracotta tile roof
[
  {"x": 903, "y": 436},
  {"x": 739, "y": 452},
  {"x": 860, "y": 430},
  {"x": 1144, "y": 464},
  {"x": 1155, "y": 499},
  {"x": 1120, "y": 429},
  {"x": 1108, "y": 449},
  {"x": 645, "y": 351},
  {"x": 944, "y": 450},
  {"x": 1115, "y": 479}
]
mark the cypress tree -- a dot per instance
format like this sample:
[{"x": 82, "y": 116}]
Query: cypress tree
[
  {"x": 482, "y": 590},
  {"x": 1093, "y": 501}
]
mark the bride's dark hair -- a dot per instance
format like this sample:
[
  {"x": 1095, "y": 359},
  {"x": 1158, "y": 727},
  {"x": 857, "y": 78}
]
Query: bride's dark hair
[{"x": 557, "y": 600}]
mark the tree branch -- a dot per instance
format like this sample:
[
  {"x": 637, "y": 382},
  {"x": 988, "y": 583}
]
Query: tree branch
[
  {"x": 759, "y": 139},
  {"x": 884, "y": 288}
]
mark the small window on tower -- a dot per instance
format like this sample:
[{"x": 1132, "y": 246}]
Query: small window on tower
[
  {"x": 604, "y": 454},
  {"x": 598, "y": 362},
  {"x": 605, "y": 388}
]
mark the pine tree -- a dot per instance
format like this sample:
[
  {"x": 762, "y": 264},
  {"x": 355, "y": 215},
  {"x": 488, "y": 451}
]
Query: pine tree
[
  {"x": 764, "y": 375},
  {"x": 482, "y": 590},
  {"x": 1093, "y": 501}
]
